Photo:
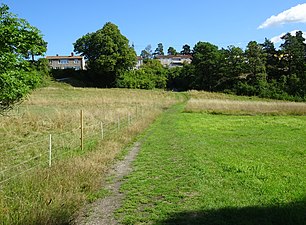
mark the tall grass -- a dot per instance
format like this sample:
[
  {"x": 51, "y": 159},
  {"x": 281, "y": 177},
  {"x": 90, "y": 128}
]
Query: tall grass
[
  {"x": 227, "y": 104},
  {"x": 46, "y": 195}
]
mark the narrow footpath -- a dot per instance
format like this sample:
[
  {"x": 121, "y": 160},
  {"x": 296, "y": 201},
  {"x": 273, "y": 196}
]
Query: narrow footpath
[{"x": 102, "y": 211}]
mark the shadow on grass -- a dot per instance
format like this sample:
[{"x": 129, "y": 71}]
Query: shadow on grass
[{"x": 291, "y": 214}]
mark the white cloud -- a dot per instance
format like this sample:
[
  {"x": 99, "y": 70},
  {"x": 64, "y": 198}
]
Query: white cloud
[
  {"x": 277, "y": 39},
  {"x": 294, "y": 15}
]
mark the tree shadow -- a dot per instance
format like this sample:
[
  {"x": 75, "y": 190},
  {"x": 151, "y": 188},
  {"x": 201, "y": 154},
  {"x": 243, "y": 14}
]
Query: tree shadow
[
  {"x": 291, "y": 214},
  {"x": 83, "y": 78}
]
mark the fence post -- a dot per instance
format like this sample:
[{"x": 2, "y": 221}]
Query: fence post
[
  {"x": 82, "y": 130},
  {"x": 102, "y": 130},
  {"x": 50, "y": 150}
]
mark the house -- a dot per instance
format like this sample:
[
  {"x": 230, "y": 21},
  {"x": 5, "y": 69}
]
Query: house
[
  {"x": 139, "y": 62},
  {"x": 169, "y": 61},
  {"x": 66, "y": 62},
  {"x": 174, "y": 60}
]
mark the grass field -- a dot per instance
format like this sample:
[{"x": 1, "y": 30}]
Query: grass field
[
  {"x": 224, "y": 169},
  {"x": 219, "y": 159},
  {"x": 33, "y": 193}
]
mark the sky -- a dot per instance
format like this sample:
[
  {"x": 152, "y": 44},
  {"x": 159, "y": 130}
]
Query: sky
[{"x": 170, "y": 22}]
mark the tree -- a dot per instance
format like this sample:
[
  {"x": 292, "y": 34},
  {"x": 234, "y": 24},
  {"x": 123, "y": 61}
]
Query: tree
[
  {"x": 171, "y": 51},
  {"x": 186, "y": 50},
  {"x": 232, "y": 66},
  {"x": 19, "y": 40},
  {"x": 294, "y": 60},
  {"x": 159, "y": 50},
  {"x": 147, "y": 53},
  {"x": 206, "y": 58},
  {"x": 272, "y": 60},
  {"x": 19, "y": 37},
  {"x": 256, "y": 58},
  {"x": 294, "y": 50},
  {"x": 108, "y": 53},
  {"x": 256, "y": 81}
]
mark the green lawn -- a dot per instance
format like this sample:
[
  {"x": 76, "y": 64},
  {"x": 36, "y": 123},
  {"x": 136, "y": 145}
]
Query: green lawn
[{"x": 197, "y": 168}]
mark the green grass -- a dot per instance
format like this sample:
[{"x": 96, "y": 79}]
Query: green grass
[{"x": 198, "y": 168}]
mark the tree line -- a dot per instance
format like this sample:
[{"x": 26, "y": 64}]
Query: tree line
[{"x": 260, "y": 69}]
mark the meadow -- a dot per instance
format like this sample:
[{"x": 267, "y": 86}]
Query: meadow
[
  {"x": 215, "y": 159},
  {"x": 31, "y": 192},
  {"x": 218, "y": 165}
]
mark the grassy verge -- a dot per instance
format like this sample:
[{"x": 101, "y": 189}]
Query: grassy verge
[
  {"x": 217, "y": 103},
  {"x": 199, "y": 168},
  {"x": 44, "y": 195}
]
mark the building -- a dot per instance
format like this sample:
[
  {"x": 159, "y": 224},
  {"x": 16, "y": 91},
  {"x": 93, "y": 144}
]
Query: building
[
  {"x": 174, "y": 60},
  {"x": 139, "y": 62},
  {"x": 169, "y": 61},
  {"x": 67, "y": 62}
]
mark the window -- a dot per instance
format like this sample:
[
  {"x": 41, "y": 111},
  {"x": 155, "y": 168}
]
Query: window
[
  {"x": 63, "y": 61},
  {"x": 76, "y": 61}
]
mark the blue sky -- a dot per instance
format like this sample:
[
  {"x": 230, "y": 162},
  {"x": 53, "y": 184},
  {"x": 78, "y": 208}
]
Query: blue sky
[{"x": 171, "y": 22}]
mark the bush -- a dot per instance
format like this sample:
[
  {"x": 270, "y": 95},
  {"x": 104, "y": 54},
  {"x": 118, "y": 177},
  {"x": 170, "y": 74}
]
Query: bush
[
  {"x": 15, "y": 85},
  {"x": 151, "y": 75}
]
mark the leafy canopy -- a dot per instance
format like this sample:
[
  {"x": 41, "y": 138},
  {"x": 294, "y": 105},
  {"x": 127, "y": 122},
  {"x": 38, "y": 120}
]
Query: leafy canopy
[
  {"x": 19, "y": 40},
  {"x": 107, "y": 51}
]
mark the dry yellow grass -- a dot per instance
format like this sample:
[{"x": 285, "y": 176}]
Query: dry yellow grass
[{"x": 226, "y": 104}]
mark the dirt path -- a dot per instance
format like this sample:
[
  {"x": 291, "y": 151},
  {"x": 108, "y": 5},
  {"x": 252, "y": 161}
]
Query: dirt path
[{"x": 102, "y": 211}]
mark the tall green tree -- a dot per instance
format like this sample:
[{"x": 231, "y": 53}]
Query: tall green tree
[
  {"x": 159, "y": 50},
  {"x": 294, "y": 50},
  {"x": 19, "y": 41},
  {"x": 256, "y": 79},
  {"x": 272, "y": 60},
  {"x": 108, "y": 53},
  {"x": 294, "y": 59},
  {"x": 232, "y": 67},
  {"x": 206, "y": 58},
  {"x": 172, "y": 51},
  {"x": 186, "y": 50},
  {"x": 256, "y": 58},
  {"x": 147, "y": 53}
]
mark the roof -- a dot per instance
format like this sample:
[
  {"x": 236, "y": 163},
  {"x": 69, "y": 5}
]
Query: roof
[
  {"x": 64, "y": 57},
  {"x": 174, "y": 56}
]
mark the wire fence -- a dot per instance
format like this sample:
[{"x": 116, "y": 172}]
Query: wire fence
[{"x": 47, "y": 149}]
